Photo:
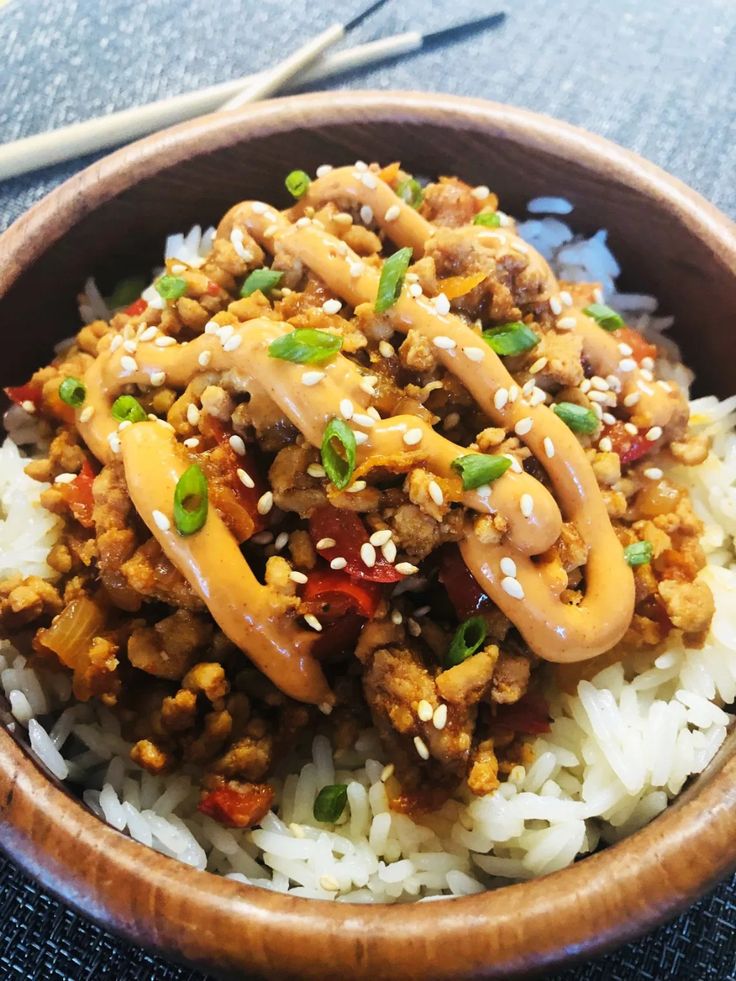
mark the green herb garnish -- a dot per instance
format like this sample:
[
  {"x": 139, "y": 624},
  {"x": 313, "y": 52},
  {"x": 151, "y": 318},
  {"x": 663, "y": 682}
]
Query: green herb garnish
[
  {"x": 410, "y": 191},
  {"x": 604, "y": 316},
  {"x": 190, "y": 501},
  {"x": 639, "y": 553},
  {"x": 576, "y": 417},
  {"x": 305, "y": 346},
  {"x": 171, "y": 287},
  {"x": 330, "y": 803},
  {"x": 489, "y": 219},
  {"x": 392, "y": 279},
  {"x": 297, "y": 183},
  {"x": 125, "y": 292},
  {"x": 511, "y": 339},
  {"x": 468, "y": 640},
  {"x": 73, "y": 392},
  {"x": 261, "y": 279},
  {"x": 477, "y": 469},
  {"x": 339, "y": 468},
  {"x": 125, "y": 408}
]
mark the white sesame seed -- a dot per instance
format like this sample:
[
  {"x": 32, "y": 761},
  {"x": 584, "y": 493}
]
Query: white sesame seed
[
  {"x": 521, "y": 247},
  {"x": 323, "y": 170},
  {"x": 501, "y": 398},
  {"x": 387, "y": 772},
  {"x": 439, "y": 719},
  {"x": 392, "y": 213},
  {"x": 513, "y": 393},
  {"x": 631, "y": 399},
  {"x": 424, "y": 710},
  {"x": 116, "y": 342},
  {"x": 625, "y": 349},
  {"x": 388, "y": 551},
  {"x": 386, "y": 350},
  {"x": 442, "y": 306},
  {"x": 303, "y": 222},
  {"x": 508, "y": 566},
  {"x": 114, "y": 442},
  {"x": 316, "y": 470},
  {"x": 65, "y": 478},
  {"x": 627, "y": 364},
  {"x": 125, "y": 424},
  {"x": 332, "y": 306},
  {"x": 664, "y": 385},
  {"x": 165, "y": 341},
  {"x": 653, "y": 473},
  {"x": 363, "y": 419},
  {"x": 480, "y": 192},
  {"x": 325, "y": 543},
  {"x": 527, "y": 505},
  {"x": 191, "y": 443},
  {"x": 435, "y": 492},
  {"x": 245, "y": 478},
  {"x": 355, "y": 269},
  {"x": 609, "y": 419},
  {"x": 356, "y": 487},
  {"x": 233, "y": 343},
  {"x": 158, "y": 378},
  {"x": 406, "y": 568},
  {"x": 631, "y": 429},
  {"x": 237, "y": 444},
  {"x": 361, "y": 166},
  {"x": 647, "y": 363},
  {"x": 338, "y": 563},
  {"x": 130, "y": 346},
  {"x": 297, "y": 576},
  {"x": 368, "y": 554},
  {"x": 360, "y": 438},
  {"x": 515, "y": 465},
  {"x": 566, "y": 323},
  {"x": 614, "y": 383},
  {"x": 128, "y": 364},
  {"x": 160, "y": 520},
  {"x": 366, "y": 214},
  {"x": 281, "y": 540},
  {"x": 212, "y": 327},
  {"x": 555, "y": 305},
  {"x": 513, "y": 587},
  {"x": 566, "y": 298},
  {"x": 258, "y": 207},
  {"x": 192, "y": 414},
  {"x": 474, "y": 353},
  {"x": 204, "y": 358},
  {"x": 86, "y": 414},
  {"x": 368, "y": 180},
  {"x": 329, "y": 883},
  {"x": 644, "y": 388},
  {"x": 412, "y": 437},
  {"x": 537, "y": 397},
  {"x": 451, "y": 420},
  {"x": 598, "y": 294},
  {"x": 444, "y": 343},
  {"x": 605, "y": 445},
  {"x": 28, "y": 406},
  {"x": 225, "y": 333},
  {"x": 346, "y": 409},
  {"x": 598, "y": 396},
  {"x": 265, "y": 503},
  {"x": 271, "y": 231},
  {"x": 538, "y": 365},
  {"x": 654, "y": 433},
  {"x": 597, "y": 409},
  {"x": 549, "y": 447},
  {"x": 421, "y": 747},
  {"x": 310, "y": 378},
  {"x": 599, "y": 383},
  {"x": 312, "y": 622},
  {"x": 415, "y": 290},
  {"x": 379, "y": 538},
  {"x": 396, "y": 617},
  {"x": 528, "y": 387},
  {"x": 523, "y": 426}
]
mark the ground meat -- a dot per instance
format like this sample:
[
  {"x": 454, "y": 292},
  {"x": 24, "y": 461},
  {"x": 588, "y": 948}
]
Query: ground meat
[
  {"x": 170, "y": 648},
  {"x": 691, "y": 451},
  {"x": 563, "y": 352},
  {"x": 417, "y": 353},
  {"x": 293, "y": 488},
  {"x": 151, "y": 757},
  {"x": 25, "y": 600},
  {"x": 483, "y": 774},
  {"x": 449, "y": 202},
  {"x": 511, "y": 677},
  {"x": 149, "y": 573},
  {"x": 113, "y": 517},
  {"x": 468, "y": 682},
  {"x": 689, "y": 605},
  {"x": 418, "y": 534}
]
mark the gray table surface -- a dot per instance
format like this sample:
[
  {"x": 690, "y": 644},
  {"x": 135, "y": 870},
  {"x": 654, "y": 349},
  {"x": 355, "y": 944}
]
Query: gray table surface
[{"x": 656, "y": 76}]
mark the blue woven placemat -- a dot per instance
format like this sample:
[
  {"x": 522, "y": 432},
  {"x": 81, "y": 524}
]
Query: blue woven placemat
[{"x": 656, "y": 76}]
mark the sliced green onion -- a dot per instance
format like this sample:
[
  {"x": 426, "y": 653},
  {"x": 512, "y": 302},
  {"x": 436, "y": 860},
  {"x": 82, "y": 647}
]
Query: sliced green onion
[
  {"x": 73, "y": 392},
  {"x": 410, "y": 191},
  {"x": 468, "y": 640},
  {"x": 511, "y": 339},
  {"x": 489, "y": 219},
  {"x": 125, "y": 292},
  {"x": 576, "y": 417},
  {"x": 330, "y": 803},
  {"x": 339, "y": 468},
  {"x": 171, "y": 287},
  {"x": 125, "y": 408},
  {"x": 639, "y": 553},
  {"x": 477, "y": 469},
  {"x": 190, "y": 501},
  {"x": 392, "y": 278},
  {"x": 305, "y": 346},
  {"x": 604, "y": 316},
  {"x": 297, "y": 183},
  {"x": 261, "y": 279}
]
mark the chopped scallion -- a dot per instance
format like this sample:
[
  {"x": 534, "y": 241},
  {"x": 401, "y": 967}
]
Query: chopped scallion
[
  {"x": 511, "y": 339},
  {"x": 489, "y": 219},
  {"x": 576, "y": 417},
  {"x": 171, "y": 287},
  {"x": 125, "y": 408},
  {"x": 330, "y": 803},
  {"x": 73, "y": 392},
  {"x": 339, "y": 468},
  {"x": 297, "y": 183},
  {"x": 604, "y": 316},
  {"x": 261, "y": 279},
  {"x": 190, "y": 501},
  {"x": 305, "y": 346},
  {"x": 468, "y": 640},
  {"x": 392, "y": 279},
  {"x": 410, "y": 191},
  {"x": 638, "y": 553},
  {"x": 477, "y": 469}
]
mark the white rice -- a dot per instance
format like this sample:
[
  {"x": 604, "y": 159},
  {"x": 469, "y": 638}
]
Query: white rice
[{"x": 618, "y": 751}]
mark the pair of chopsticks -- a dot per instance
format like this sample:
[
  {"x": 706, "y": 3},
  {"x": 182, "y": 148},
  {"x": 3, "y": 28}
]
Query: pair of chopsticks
[{"x": 309, "y": 63}]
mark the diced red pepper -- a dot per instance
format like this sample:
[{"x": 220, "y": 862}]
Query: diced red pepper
[
  {"x": 25, "y": 393},
  {"x": 238, "y": 808},
  {"x": 244, "y": 497},
  {"x": 136, "y": 307},
  {"x": 640, "y": 346},
  {"x": 212, "y": 288},
  {"x": 630, "y": 448},
  {"x": 464, "y": 592},
  {"x": 334, "y": 593},
  {"x": 339, "y": 637},
  {"x": 529, "y": 715},
  {"x": 78, "y": 495},
  {"x": 349, "y": 533}
]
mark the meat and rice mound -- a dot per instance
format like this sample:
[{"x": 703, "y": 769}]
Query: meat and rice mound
[{"x": 367, "y": 463}]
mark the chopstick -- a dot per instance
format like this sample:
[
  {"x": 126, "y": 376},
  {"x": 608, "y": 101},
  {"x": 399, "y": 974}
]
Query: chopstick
[{"x": 78, "y": 139}]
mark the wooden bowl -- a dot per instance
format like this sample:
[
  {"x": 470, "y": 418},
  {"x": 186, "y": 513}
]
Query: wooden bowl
[{"x": 111, "y": 219}]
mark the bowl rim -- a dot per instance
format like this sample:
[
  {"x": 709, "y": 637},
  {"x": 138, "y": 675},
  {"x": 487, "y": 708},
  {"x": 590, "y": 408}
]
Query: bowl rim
[{"x": 604, "y": 900}]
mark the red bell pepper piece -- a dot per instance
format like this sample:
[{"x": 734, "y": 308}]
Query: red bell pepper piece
[
  {"x": 25, "y": 393},
  {"x": 78, "y": 495},
  {"x": 212, "y": 288},
  {"x": 246, "y": 497},
  {"x": 629, "y": 448},
  {"x": 464, "y": 592},
  {"x": 529, "y": 715},
  {"x": 334, "y": 593},
  {"x": 238, "y": 808},
  {"x": 136, "y": 307},
  {"x": 349, "y": 533}
]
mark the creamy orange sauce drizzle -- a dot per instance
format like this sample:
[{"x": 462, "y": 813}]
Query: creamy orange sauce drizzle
[{"x": 211, "y": 560}]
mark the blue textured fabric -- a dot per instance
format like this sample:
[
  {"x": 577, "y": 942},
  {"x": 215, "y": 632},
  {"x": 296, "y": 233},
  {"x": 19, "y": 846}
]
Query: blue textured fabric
[{"x": 657, "y": 77}]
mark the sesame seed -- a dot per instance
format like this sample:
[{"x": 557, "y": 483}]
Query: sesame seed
[
  {"x": 265, "y": 503},
  {"x": 614, "y": 383},
  {"x": 233, "y": 343},
  {"x": 86, "y": 414},
  {"x": 368, "y": 180},
  {"x": 609, "y": 419},
  {"x": 332, "y": 306},
  {"x": 515, "y": 465},
  {"x": 346, "y": 409},
  {"x": 625, "y": 349},
  {"x": 379, "y": 538},
  {"x": 191, "y": 443},
  {"x": 310, "y": 378},
  {"x": 424, "y": 710},
  {"x": 528, "y": 387},
  {"x": 225, "y": 333},
  {"x": 323, "y": 170},
  {"x": 521, "y": 247},
  {"x": 361, "y": 166},
  {"x": 538, "y": 365},
  {"x": 160, "y": 520},
  {"x": 599, "y": 383},
  {"x": 316, "y": 470},
  {"x": 130, "y": 346},
  {"x": 128, "y": 364},
  {"x": 297, "y": 576},
  {"x": 647, "y": 375},
  {"x": 566, "y": 323},
  {"x": 631, "y": 399},
  {"x": 644, "y": 388},
  {"x": 597, "y": 409},
  {"x": 598, "y": 294},
  {"x": 355, "y": 269},
  {"x": 527, "y": 505},
  {"x": 125, "y": 424},
  {"x": 444, "y": 343},
  {"x": 281, "y": 540},
  {"x": 338, "y": 562},
  {"x": 271, "y": 231},
  {"x": 237, "y": 444},
  {"x": 406, "y": 568},
  {"x": 566, "y": 298},
  {"x": 114, "y": 442},
  {"x": 413, "y": 436},
  {"x": 303, "y": 222},
  {"x": 212, "y": 327},
  {"x": 665, "y": 386},
  {"x": 258, "y": 207},
  {"x": 386, "y": 350},
  {"x": 65, "y": 478},
  {"x": 474, "y": 353},
  {"x": 388, "y": 551},
  {"x": 585, "y": 386},
  {"x": 158, "y": 378},
  {"x": 396, "y": 617},
  {"x": 598, "y": 396},
  {"x": 435, "y": 492},
  {"x": 360, "y": 438},
  {"x": 366, "y": 214},
  {"x": 605, "y": 445},
  {"x": 537, "y": 397},
  {"x": 116, "y": 342},
  {"x": 192, "y": 414},
  {"x": 356, "y": 487},
  {"x": 392, "y": 213},
  {"x": 245, "y": 478},
  {"x": 549, "y": 447},
  {"x": 387, "y": 772},
  {"x": 501, "y": 398},
  {"x": 508, "y": 566},
  {"x": 368, "y": 554},
  {"x": 439, "y": 719},
  {"x": 653, "y": 473},
  {"x": 523, "y": 426},
  {"x": 627, "y": 364},
  {"x": 480, "y": 192},
  {"x": 326, "y": 543},
  {"x": 415, "y": 290},
  {"x": 555, "y": 305},
  {"x": 513, "y": 587},
  {"x": 204, "y": 358},
  {"x": 647, "y": 363},
  {"x": 368, "y": 384},
  {"x": 262, "y": 538},
  {"x": 329, "y": 883},
  {"x": 313, "y": 622},
  {"x": 421, "y": 747},
  {"x": 654, "y": 433},
  {"x": 165, "y": 341},
  {"x": 631, "y": 429},
  {"x": 513, "y": 393},
  {"x": 451, "y": 420},
  {"x": 442, "y": 306},
  {"x": 363, "y": 419}
]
